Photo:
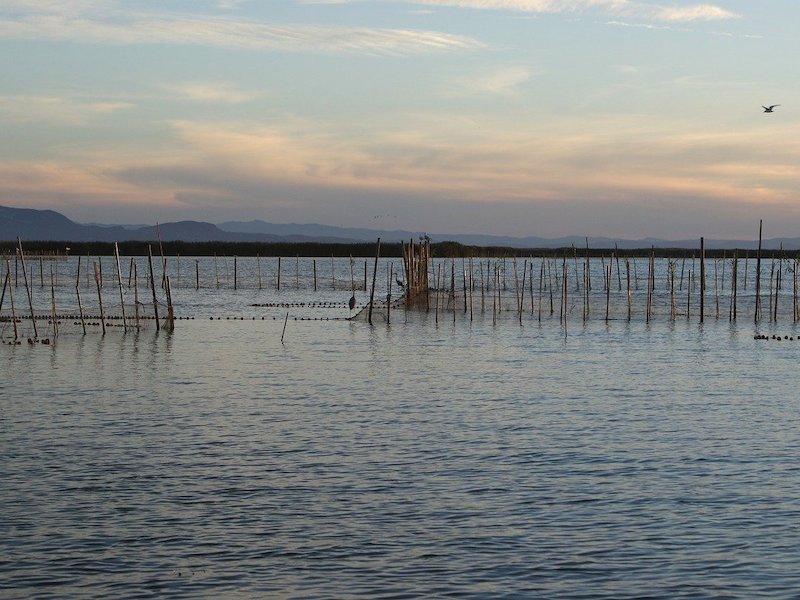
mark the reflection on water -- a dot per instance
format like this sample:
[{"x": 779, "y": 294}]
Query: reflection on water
[{"x": 418, "y": 459}]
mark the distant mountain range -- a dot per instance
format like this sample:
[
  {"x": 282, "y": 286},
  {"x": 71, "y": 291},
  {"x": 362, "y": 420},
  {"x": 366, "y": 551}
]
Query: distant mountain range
[{"x": 45, "y": 225}]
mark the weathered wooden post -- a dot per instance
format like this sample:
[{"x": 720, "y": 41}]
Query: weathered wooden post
[
  {"x": 757, "y": 311},
  {"x": 374, "y": 277},
  {"x": 99, "y": 296},
  {"x": 121, "y": 295},
  {"x": 153, "y": 284},
  {"x": 27, "y": 288},
  {"x": 702, "y": 278}
]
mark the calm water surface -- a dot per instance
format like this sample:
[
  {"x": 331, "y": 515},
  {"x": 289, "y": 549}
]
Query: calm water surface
[{"x": 464, "y": 460}]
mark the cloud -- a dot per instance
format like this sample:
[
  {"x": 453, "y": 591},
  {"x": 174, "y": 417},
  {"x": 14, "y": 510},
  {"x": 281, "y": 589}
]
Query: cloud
[
  {"x": 39, "y": 20},
  {"x": 623, "y": 160},
  {"x": 432, "y": 162},
  {"x": 627, "y": 8},
  {"x": 699, "y": 12},
  {"x": 56, "y": 109},
  {"x": 502, "y": 81},
  {"x": 211, "y": 92}
]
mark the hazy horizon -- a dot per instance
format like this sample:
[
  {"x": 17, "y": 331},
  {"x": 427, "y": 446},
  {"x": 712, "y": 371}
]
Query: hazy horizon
[{"x": 613, "y": 118}]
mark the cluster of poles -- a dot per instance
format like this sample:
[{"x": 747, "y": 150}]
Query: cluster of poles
[
  {"x": 53, "y": 316},
  {"x": 664, "y": 293},
  {"x": 540, "y": 287}
]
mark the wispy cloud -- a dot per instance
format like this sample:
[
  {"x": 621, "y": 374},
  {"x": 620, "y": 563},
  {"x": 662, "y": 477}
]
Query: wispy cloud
[
  {"x": 56, "y": 109},
  {"x": 502, "y": 81},
  {"x": 42, "y": 20},
  {"x": 627, "y": 8},
  {"x": 699, "y": 12},
  {"x": 211, "y": 92}
]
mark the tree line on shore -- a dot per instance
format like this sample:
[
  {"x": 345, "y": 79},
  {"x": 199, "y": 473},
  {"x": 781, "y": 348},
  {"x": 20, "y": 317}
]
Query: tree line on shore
[{"x": 356, "y": 249}]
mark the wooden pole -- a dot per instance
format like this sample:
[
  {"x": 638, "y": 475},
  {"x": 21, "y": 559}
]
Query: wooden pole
[
  {"x": 453, "y": 286},
  {"x": 235, "y": 272},
  {"x": 464, "y": 277},
  {"x": 673, "y": 308},
  {"x": 628, "y": 283},
  {"x": 541, "y": 289},
  {"x": 608, "y": 292},
  {"x": 689, "y": 294},
  {"x": 516, "y": 289},
  {"x": 216, "y": 270},
  {"x": 389, "y": 295},
  {"x": 258, "y": 270},
  {"x": 121, "y": 295},
  {"x": 285, "y": 321},
  {"x": 315, "y": 274},
  {"x": 11, "y": 299},
  {"x": 483, "y": 291},
  {"x": 80, "y": 307},
  {"x": 153, "y": 284},
  {"x": 53, "y": 310},
  {"x": 778, "y": 276},
  {"x": 27, "y": 288},
  {"x": 757, "y": 311},
  {"x": 170, "y": 306},
  {"x": 794, "y": 304},
  {"x": 197, "y": 275},
  {"x": 771, "y": 278},
  {"x": 702, "y": 278},
  {"x": 5, "y": 284},
  {"x": 130, "y": 271},
  {"x": 566, "y": 301},
  {"x": 99, "y": 296},
  {"x": 522, "y": 289},
  {"x": 136, "y": 292},
  {"x": 279, "y": 271},
  {"x": 438, "y": 290},
  {"x": 734, "y": 287},
  {"x": 374, "y": 277},
  {"x": 716, "y": 287},
  {"x": 471, "y": 288},
  {"x": 494, "y": 296}
]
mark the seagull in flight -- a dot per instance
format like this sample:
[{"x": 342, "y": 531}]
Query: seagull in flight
[{"x": 768, "y": 109}]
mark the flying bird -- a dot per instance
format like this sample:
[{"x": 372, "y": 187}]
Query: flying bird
[{"x": 769, "y": 108}]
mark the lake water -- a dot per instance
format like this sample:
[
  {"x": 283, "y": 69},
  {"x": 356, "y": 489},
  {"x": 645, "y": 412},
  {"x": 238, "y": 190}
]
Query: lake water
[{"x": 462, "y": 458}]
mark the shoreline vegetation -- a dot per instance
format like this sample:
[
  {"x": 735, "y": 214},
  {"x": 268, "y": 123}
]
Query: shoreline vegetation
[{"x": 61, "y": 248}]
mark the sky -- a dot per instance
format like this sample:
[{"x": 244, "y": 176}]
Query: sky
[{"x": 620, "y": 118}]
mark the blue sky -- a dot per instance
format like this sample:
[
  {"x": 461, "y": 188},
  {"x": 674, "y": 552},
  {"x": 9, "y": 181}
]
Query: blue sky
[{"x": 521, "y": 117}]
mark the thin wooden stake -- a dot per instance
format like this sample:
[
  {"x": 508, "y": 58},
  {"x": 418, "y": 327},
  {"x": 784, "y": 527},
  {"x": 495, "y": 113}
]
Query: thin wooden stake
[
  {"x": 99, "y": 296},
  {"x": 11, "y": 299},
  {"x": 136, "y": 292},
  {"x": 121, "y": 295},
  {"x": 80, "y": 308},
  {"x": 702, "y": 278},
  {"x": 757, "y": 311},
  {"x": 27, "y": 288},
  {"x": 54, "y": 313},
  {"x": 374, "y": 277},
  {"x": 153, "y": 285}
]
